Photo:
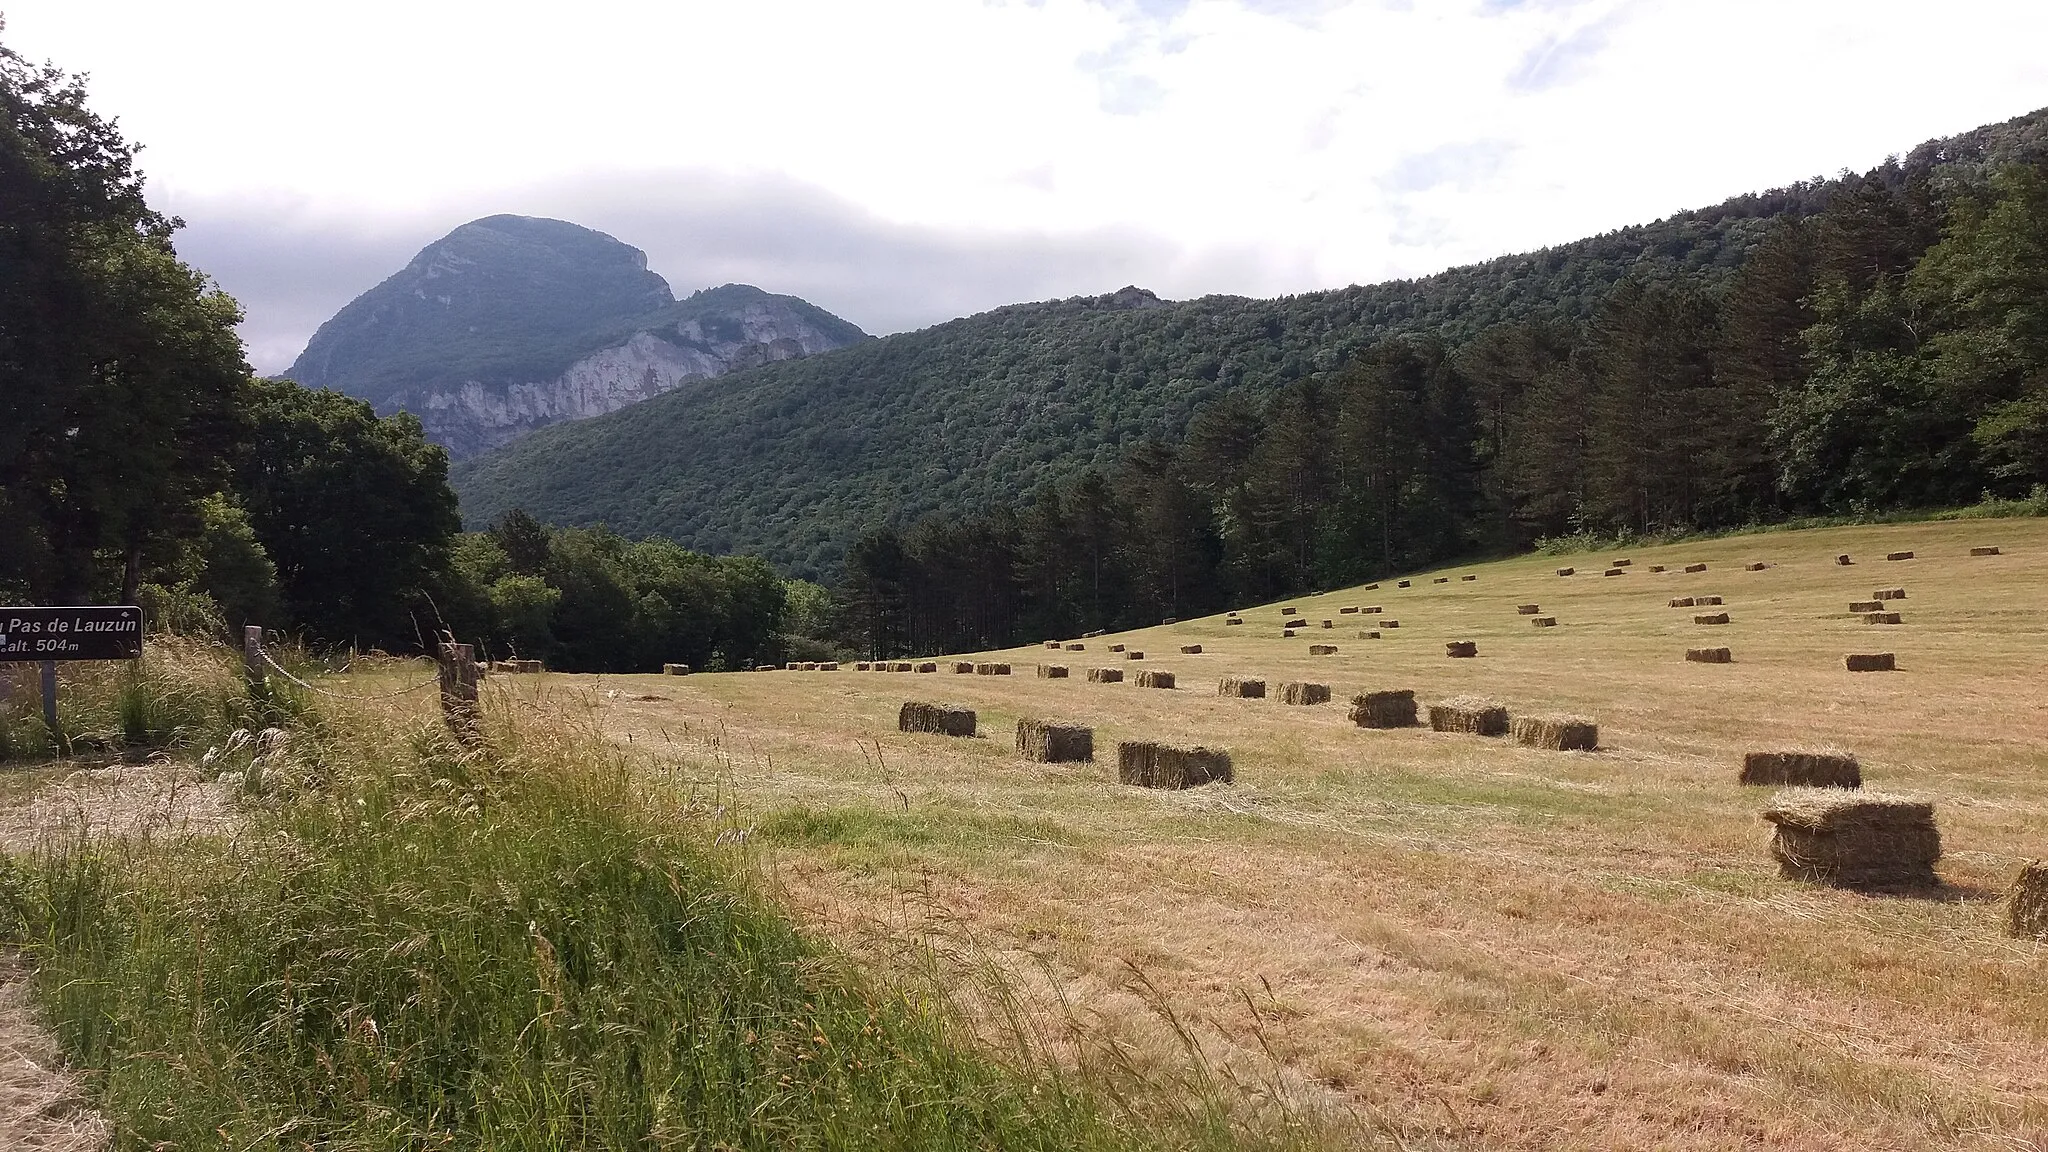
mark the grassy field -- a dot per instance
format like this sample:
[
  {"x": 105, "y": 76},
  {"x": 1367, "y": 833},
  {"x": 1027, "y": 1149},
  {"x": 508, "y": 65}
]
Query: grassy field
[{"x": 1459, "y": 941}]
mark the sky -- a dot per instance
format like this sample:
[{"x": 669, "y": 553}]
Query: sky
[{"x": 905, "y": 162}]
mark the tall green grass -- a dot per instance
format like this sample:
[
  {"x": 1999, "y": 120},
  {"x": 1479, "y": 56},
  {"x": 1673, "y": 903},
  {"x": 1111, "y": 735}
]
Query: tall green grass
[
  {"x": 183, "y": 694},
  {"x": 415, "y": 945}
]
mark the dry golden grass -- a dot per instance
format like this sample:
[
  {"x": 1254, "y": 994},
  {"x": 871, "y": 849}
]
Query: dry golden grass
[{"x": 1488, "y": 945}]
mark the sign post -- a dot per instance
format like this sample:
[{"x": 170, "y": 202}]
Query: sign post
[{"x": 86, "y": 632}]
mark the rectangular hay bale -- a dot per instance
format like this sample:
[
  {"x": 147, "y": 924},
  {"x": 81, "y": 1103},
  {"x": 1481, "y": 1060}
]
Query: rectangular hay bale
[
  {"x": 1566, "y": 571},
  {"x": 1322, "y": 649},
  {"x": 1144, "y": 764},
  {"x": 2026, "y": 903},
  {"x": 1881, "y": 618},
  {"x": 1709, "y": 656},
  {"x": 1871, "y": 662},
  {"x": 963, "y": 667},
  {"x": 1052, "y": 671},
  {"x": 1898, "y": 556},
  {"x": 1706, "y": 601},
  {"x": 1191, "y": 649},
  {"x": 991, "y": 668},
  {"x": 1544, "y": 621},
  {"x": 1695, "y": 568},
  {"x": 936, "y": 719},
  {"x": 1153, "y": 678},
  {"x": 1804, "y": 768},
  {"x": 1469, "y": 714},
  {"x": 1615, "y": 572},
  {"x": 1888, "y": 594},
  {"x": 1861, "y": 606},
  {"x": 1388, "y": 709},
  {"x": 1556, "y": 733},
  {"x": 1527, "y": 609},
  {"x": 1984, "y": 551},
  {"x": 1050, "y": 743},
  {"x": 1854, "y": 839},
  {"x": 1243, "y": 688},
  {"x": 1105, "y": 675},
  {"x": 1681, "y": 602},
  {"x": 1304, "y": 692},
  {"x": 675, "y": 669},
  {"x": 1461, "y": 649},
  {"x": 1235, "y": 620},
  {"x": 1711, "y": 618},
  {"x": 1347, "y": 611}
]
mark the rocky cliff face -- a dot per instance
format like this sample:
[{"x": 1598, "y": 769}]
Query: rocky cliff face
[{"x": 509, "y": 324}]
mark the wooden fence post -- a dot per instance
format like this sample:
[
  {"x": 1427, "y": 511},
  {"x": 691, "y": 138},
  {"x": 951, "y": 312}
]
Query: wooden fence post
[
  {"x": 458, "y": 690},
  {"x": 252, "y": 656}
]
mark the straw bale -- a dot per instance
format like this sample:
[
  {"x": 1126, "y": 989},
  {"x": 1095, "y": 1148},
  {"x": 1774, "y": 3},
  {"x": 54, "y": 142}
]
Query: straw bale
[
  {"x": 1854, "y": 839},
  {"x": 833, "y": 666},
  {"x": 1469, "y": 714},
  {"x": 936, "y": 719},
  {"x": 963, "y": 667},
  {"x": 1544, "y": 621},
  {"x": 1176, "y": 619},
  {"x": 1468, "y": 579},
  {"x": 790, "y": 667},
  {"x": 1461, "y": 649},
  {"x": 675, "y": 669},
  {"x": 1322, "y": 649},
  {"x": 1844, "y": 560},
  {"x": 1076, "y": 646},
  {"x": 1134, "y": 654},
  {"x": 2026, "y": 904},
  {"x": 1191, "y": 649},
  {"x": 1656, "y": 567},
  {"x": 1557, "y": 733},
  {"x": 1755, "y": 567},
  {"x": 911, "y": 666},
  {"x": 1105, "y": 675},
  {"x": 1706, "y": 601},
  {"x": 991, "y": 669},
  {"x": 1709, "y": 656},
  {"x": 1984, "y": 551},
  {"x": 1441, "y": 580},
  {"x": 1329, "y": 623},
  {"x": 1528, "y": 609},
  {"x": 1287, "y": 634},
  {"x": 1402, "y": 583},
  {"x": 1711, "y": 618},
  {"x": 862, "y": 666},
  {"x": 1695, "y": 567},
  {"x": 1881, "y": 618},
  {"x": 1148, "y": 765},
  {"x": 1235, "y": 620},
  {"x": 1372, "y": 587},
  {"x": 1050, "y": 743},
  {"x": 1390, "y": 623},
  {"x": 1347, "y": 611},
  {"x": 808, "y": 666},
  {"x": 1390, "y": 709},
  {"x": 1804, "y": 768},
  {"x": 1153, "y": 678},
  {"x": 1052, "y": 671},
  {"x": 1304, "y": 692},
  {"x": 1566, "y": 571},
  {"x": 926, "y": 666},
  {"x": 1620, "y": 563},
  {"x": 1871, "y": 662},
  {"x": 1681, "y": 602},
  {"x": 1116, "y": 647},
  {"x": 1289, "y": 611},
  {"x": 1053, "y": 644},
  {"x": 1898, "y": 556},
  {"x": 1615, "y": 572},
  {"x": 1888, "y": 594},
  {"x": 1372, "y": 611},
  {"x": 1092, "y": 635},
  {"x": 1241, "y": 687},
  {"x": 1861, "y": 606}
]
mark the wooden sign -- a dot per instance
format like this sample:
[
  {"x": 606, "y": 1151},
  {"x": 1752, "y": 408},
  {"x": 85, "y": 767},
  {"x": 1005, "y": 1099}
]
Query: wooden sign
[{"x": 96, "y": 632}]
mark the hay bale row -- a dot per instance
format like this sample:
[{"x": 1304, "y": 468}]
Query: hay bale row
[
  {"x": 1566, "y": 571},
  {"x": 1984, "y": 551},
  {"x": 1148, "y": 765},
  {"x": 1527, "y": 609},
  {"x": 936, "y": 719},
  {"x": 1709, "y": 656},
  {"x": 1322, "y": 649},
  {"x": 1557, "y": 733},
  {"x": 1105, "y": 675},
  {"x": 1824, "y": 768},
  {"x": 675, "y": 669},
  {"x": 1050, "y": 743},
  {"x": 2026, "y": 905},
  {"x": 1861, "y": 606},
  {"x": 1191, "y": 649},
  {"x": 1898, "y": 556},
  {"x": 1711, "y": 618},
  {"x": 1871, "y": 662},
  {"x": 1691, "y": 568},
  {"x": 1854, "y": 839},
  {"x": 1241, "y": 687},
  {"x": 1881, "y": 618},
  {"x": 1681, "y": 602},
  {"x": 1461, "y": 649},
  {"x": 1469, "y": 714},
  {"x": 1389, "y": 709},
  {"x": 1052, "y": 671},
  {"x": 1303, "y": 692},
  {"x": 1544, "y": 621},
  {"x": 991, "y": 669},
  {"x": 1888, "y": 594},
  {"x": 1153, "y": 678}
]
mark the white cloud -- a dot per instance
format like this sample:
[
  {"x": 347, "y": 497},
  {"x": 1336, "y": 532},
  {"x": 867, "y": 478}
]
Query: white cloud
[{"x": 943, "y": 155}]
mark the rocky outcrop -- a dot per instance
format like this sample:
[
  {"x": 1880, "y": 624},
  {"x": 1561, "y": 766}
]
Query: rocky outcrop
[{"x": 509, "y": 324}]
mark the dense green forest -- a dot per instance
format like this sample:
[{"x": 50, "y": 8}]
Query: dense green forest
[
  {"x": 794, "y": 460},
  {"x": 141, "y": 461}
]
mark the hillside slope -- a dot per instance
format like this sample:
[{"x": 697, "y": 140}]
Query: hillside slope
[
  {"x": 791, "y": 460},
  {"x": 510, "y": 323}
]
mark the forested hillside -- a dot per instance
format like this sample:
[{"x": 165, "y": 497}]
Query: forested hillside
[{"x": 794, "y": 460}]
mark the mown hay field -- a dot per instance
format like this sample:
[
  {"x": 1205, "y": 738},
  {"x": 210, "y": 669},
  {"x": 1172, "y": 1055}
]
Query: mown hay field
[{"x": 1479, "y": 944}]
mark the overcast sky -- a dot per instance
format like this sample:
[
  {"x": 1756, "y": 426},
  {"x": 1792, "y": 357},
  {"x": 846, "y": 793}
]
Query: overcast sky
[{"x": 902, "y": 162}]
